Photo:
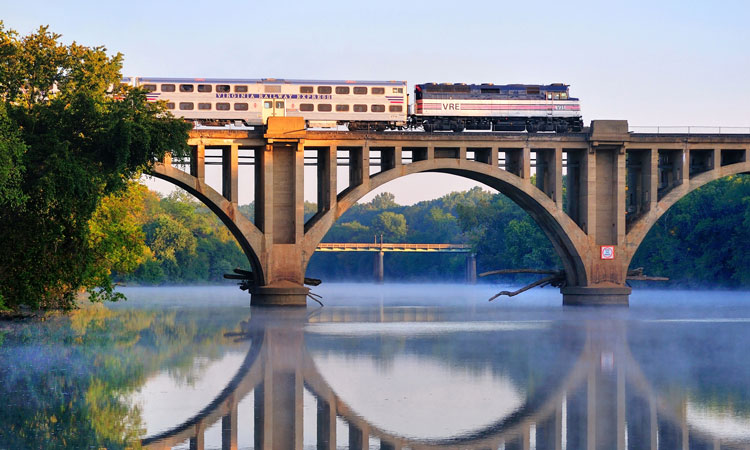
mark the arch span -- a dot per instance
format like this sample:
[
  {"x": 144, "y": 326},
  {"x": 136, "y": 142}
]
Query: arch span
[
  {"x": 566, "y": 236},
  {"x": 246, "y": 233},
  {"x": 643, "y": 225}
]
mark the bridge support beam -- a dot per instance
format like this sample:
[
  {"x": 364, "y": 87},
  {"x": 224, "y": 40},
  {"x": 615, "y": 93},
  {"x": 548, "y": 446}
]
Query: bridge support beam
[
  {"x": 280, "y": 214},
  {"x": 471, "y": 268},
  {"x": 379, "y": 267}
]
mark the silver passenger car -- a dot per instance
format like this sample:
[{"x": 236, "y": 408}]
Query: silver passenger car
[{"x": 323, "y": 103}]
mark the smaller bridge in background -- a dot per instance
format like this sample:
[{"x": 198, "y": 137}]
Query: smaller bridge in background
[{"x": 379, "y": 248}]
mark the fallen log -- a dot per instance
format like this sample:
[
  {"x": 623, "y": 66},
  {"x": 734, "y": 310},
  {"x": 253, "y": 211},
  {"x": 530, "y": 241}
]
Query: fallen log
[{"x": 556, "y": 279}]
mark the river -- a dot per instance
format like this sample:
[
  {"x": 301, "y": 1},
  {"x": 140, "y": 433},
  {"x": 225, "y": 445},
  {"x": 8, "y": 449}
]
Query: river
[{"x": 381, "y": 367}]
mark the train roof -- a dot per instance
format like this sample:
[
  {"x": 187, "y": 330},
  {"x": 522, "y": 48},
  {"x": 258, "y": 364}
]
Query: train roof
[
  {"x": 269, "y": 81},
  {"x": 553, "y": 87}
]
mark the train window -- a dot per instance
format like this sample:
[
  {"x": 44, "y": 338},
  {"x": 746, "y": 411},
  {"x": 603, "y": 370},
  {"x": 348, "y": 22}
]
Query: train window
[
  {"x": 532, "y": 90},
  {"x": 240, "y": 106},
  {"x": 186, "y": 88},
  {"x": 167, "y": 87},
  {"x": 360, "y": 108},
  {"x": 342, "y": 89},
  {"x": 274, "y": 88},
  {"x": 222, "y": 106},
  {"x": 149, "y": 87},
  {"x": 378, "y": 91},
  {"x": 324, "y": 107},
  {"x": 324, "y": 89},
  {"x": 395, "y": 108},
  {"x": 268, "y": 104},
  {"x": 305, "y": 90},
  {"x": 170, "y": 105},
  {"x": 563, "y": 96},
  {"x": 306, "y": 107},
  {"x": 237, "y": 88},
  {"x": 279, "y": 105},
  {"x": 360, "y": 90},
  {"x": 204, "y": 106},
  {"x": 186, "y": 106},
  {"x": 342, "y": 108},
  {"x": 398, "y": 90},
  {"x": 205, "y": 88},
  {"x": 557, "y": 96},
  {"x": 222, "y": 88},
  {"x": 549, "y": 95},
  {"x": 377, "y": 108},
  {"x": 490, "y": 90}
]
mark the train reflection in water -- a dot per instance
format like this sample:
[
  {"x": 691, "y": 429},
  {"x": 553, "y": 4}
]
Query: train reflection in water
[{"x": 568, "y": 385}]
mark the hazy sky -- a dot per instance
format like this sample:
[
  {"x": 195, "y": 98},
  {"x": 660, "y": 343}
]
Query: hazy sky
[{"x": 650, "y": 62}]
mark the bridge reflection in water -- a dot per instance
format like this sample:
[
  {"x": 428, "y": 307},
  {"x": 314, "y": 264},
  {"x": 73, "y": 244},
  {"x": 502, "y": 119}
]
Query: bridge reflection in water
[{"x": 599, "y": 399}]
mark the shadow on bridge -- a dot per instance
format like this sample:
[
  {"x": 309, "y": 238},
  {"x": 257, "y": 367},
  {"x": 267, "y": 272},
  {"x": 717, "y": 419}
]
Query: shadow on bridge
[{"x": 603, "y": 400}]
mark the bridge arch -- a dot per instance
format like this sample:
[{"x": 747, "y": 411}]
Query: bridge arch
[
  {"x": 643, "y": 225},
  {"x": 244, "y": 231},
  {"x": 565, "y": 235}
]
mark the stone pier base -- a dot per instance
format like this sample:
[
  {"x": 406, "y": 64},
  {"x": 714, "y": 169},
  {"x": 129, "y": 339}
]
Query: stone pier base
[
  {"x": 596, "y": 295},
  {"x": 284, "y": 293}
]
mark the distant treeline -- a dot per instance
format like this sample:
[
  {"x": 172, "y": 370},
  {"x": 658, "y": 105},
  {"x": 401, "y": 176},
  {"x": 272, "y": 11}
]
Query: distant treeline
[{"x": 703, "y": 239}]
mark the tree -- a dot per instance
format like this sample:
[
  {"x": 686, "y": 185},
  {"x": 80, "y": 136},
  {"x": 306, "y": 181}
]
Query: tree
[
  {"x": 384, "y": 200},
  {"x": 84, "y": 136},
  {"x": 391, "y": 225}
]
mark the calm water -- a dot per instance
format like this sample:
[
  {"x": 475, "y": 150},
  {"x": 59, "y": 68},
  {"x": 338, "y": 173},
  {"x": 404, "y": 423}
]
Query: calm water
[{"x": 382, "y": 367}]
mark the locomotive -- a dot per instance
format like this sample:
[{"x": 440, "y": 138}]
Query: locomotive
[{"x": 373, "y": 105}]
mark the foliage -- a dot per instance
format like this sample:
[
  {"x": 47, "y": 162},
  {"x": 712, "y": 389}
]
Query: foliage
[
  {"x": 703, "y": 239},
  {"x": 71, "y": 136}
]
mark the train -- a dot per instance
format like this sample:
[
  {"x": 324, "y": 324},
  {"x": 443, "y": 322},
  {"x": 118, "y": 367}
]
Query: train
[{"x": 368, "y": 105}]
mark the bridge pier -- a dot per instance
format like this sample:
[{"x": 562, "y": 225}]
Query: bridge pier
[{"x": 379, "y": 266}]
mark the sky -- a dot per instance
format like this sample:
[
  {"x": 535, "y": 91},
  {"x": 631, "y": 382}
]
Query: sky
[{"x": 649, "y": 62}]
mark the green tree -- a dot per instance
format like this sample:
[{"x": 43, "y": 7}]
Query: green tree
[
  {"x": 391, "y": 225},
  {"x": 384, "y": 200},
  {"x": 85, "y": 135}
]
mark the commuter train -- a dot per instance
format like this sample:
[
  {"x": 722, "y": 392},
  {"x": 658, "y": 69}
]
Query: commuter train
[{"x": 374, "y": 105}]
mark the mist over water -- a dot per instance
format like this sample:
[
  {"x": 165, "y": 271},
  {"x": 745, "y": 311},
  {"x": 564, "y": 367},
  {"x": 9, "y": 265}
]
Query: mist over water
[{"x": 416, "y": 366}]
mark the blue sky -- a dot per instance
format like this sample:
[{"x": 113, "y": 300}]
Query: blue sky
[{"x": 652, "y": 63}]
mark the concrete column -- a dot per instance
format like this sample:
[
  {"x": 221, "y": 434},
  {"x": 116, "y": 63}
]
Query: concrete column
[
  {"x": 229, "y": 429},
  {"x": 378, "y": 267},
  {"x": 326, "y": 425},
  {"x": 359, "y": 438},
  {"x": 430, "y": 152},
  {"x": 280, "y": 214},
  {"x": 167, "y": 160},
  {"x": 557, "y": 193},
  {"x": 471, "y": 268},
  {"x": 198, "y": 162},
  {"x": 197, "y": 442},
  {"x": 229, "y": 171},
  {"x": 326, "y": 178},
  {"x": 717, "y": 159},
  {"x": 494, "y": 159},
  {"x": 359, "y": 166},
  {"x": 462, "y": 153},
  {"x": 620, "y": 192},
  {"x": 526, "y": 162},
  {"x": 685, "y": 170}
]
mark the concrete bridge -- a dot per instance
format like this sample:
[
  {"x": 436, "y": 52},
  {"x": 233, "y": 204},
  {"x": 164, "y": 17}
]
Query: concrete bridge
[
  {"x": 618, "y": 185},
  {"x": 603, "y": 401}
]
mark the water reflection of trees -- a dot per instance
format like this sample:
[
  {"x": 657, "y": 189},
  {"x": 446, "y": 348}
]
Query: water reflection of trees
[{"x": 65, "y": 382}]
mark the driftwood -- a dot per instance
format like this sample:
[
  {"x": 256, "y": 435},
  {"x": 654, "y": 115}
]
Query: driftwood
[{"x": 556, "y": 278}]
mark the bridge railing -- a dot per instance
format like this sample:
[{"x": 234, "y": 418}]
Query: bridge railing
[
  {"x": 377, "y": 246},
  {"x": 688, "y": 129}
]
